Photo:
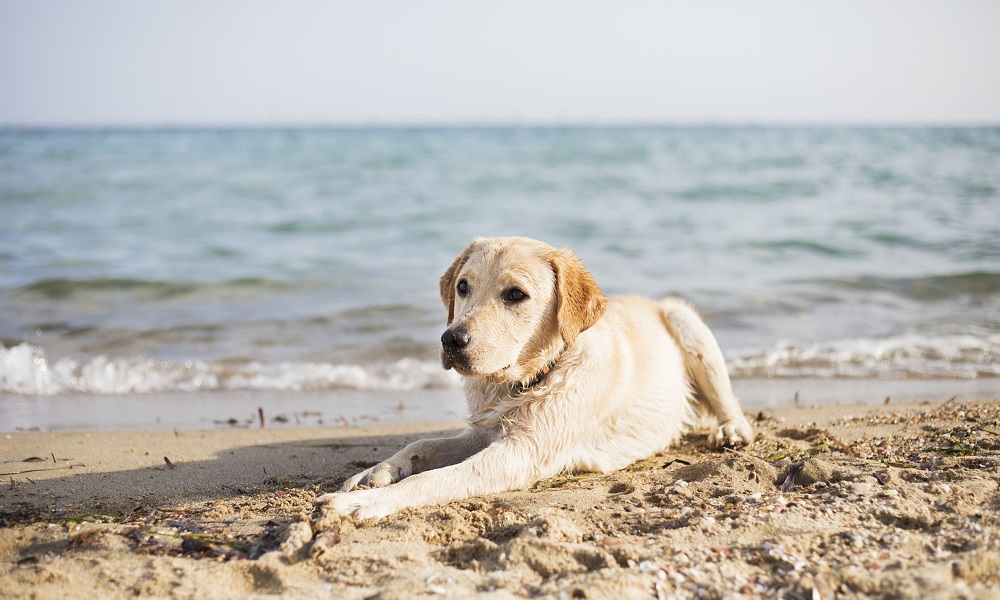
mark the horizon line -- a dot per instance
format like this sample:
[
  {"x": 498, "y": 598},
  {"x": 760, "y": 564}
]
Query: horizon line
[{"x": 512, "y": 124}]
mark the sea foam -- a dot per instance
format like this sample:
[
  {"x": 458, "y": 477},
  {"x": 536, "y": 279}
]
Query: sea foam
[
  {"x": 25, "y": 369},
  {"x": 910, "y": 356}
]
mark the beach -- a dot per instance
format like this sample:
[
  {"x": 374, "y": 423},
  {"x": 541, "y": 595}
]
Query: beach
[
  {"x": 203, "y": 330},
  {"x": 842, "y": 500}
]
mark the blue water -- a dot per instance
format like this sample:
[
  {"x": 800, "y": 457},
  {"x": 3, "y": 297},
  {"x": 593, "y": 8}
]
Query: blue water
[{"x": 157, "y": 261}]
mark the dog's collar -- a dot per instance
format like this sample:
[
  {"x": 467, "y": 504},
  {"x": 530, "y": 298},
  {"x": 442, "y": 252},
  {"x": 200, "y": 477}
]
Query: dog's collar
[{"x": 520, "y": 388}]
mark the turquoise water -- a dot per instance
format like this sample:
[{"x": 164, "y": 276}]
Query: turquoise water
[{"x": 174, "y": 261}]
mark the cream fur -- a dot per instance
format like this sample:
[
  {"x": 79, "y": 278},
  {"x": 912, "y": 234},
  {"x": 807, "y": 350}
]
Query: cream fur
[{"x": 636, "y": 375}]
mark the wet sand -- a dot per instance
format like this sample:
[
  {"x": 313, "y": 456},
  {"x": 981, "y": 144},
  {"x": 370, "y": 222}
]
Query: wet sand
[
  {"x": 186, "y": 411},
  {"x": 830, "y": 501}
]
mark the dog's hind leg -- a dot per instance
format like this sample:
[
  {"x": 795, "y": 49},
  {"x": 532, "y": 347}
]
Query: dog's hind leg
[{"x": 707, "y": 371}]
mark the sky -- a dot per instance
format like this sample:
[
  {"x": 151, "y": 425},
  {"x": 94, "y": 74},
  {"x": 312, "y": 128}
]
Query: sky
[{"x": 385, "y": 62}]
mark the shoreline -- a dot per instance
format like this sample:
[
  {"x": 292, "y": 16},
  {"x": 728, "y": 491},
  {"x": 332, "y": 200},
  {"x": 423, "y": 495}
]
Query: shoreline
[
  {"x": 213, "y": 410},
  {"x": 851, "y": 501}
]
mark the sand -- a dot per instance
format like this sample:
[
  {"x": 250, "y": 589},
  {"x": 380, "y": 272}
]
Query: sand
[{"x": 894, "y": 501}]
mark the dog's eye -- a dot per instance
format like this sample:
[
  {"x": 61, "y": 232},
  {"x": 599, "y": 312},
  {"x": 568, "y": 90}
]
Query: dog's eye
[
  {"x": 463, "y": 287},
  {"x": 514, "y": 295}
]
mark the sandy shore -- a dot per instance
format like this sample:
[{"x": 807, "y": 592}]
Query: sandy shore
[
  {"x": 223, "y": 409},
  {"x": 885, "y": 501}
]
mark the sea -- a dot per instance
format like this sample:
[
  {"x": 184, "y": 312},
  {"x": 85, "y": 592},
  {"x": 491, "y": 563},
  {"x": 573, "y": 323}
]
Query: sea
[{"x": 173, "y": 277}]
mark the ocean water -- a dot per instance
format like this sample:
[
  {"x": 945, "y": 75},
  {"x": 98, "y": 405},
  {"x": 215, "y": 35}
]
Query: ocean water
[{"x": 285, "y": 260}]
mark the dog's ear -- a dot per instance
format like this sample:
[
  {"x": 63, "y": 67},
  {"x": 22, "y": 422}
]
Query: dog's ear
[
  {"x": 448, "y": 280},
  {"x": 580, "y": 301}
]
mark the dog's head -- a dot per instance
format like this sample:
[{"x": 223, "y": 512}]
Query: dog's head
[{"x": 513, "y": 305}]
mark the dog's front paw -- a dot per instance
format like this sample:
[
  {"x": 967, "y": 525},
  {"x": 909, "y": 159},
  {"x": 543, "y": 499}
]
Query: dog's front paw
[
  {"x": 380, "y": 475},
  {"x": 732, "y": 433},
  {"x": 359, "y": 504}
]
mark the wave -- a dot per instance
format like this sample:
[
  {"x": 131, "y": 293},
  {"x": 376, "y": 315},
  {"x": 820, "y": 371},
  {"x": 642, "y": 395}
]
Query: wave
[
  {"x": 974, "y": 284},
  {"x": 911, "y": 356},
  {"x": 773, "y": 191},
  {"x": 64, "y": 288},
  {"x": 794, "y": 246},
  {"x": 25, "y": 369}
]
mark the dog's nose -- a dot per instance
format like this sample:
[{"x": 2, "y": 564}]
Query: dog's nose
[{"x": 455, "y": 339}]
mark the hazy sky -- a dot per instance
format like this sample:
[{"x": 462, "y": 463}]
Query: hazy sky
[{"x": 134, "y": 62}]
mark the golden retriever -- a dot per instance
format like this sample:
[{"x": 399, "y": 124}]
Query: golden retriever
[{"x": 557, "y": 378}]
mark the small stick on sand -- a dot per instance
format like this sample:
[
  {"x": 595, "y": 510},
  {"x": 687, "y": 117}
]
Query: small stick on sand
[{"x": 38, "y": 470}]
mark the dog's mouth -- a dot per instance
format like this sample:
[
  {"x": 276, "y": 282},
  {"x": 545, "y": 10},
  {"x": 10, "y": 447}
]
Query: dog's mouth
[
  {"x": 451, "y": 361},
  {"x": 462, "y": 367}
]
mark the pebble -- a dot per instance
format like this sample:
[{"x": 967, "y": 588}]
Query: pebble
[
  {"x": 754, "y": 498},
  {"x": 648, "y": 567},
  {"x": 862, "y": 488},
  {"x": 939, "y": 488}
]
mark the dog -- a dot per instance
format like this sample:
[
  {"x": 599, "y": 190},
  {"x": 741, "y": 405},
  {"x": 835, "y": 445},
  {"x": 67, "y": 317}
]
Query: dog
[{"x": 557, "y": 378}]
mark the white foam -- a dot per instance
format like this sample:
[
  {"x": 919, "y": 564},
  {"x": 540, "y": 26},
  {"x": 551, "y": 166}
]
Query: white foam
[
  {"x": 906, "y": 356},
  {"x": 24, "y": 369}
]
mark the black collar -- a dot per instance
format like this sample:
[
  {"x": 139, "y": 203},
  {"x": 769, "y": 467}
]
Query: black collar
[{"x": 520, "y": 388}]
